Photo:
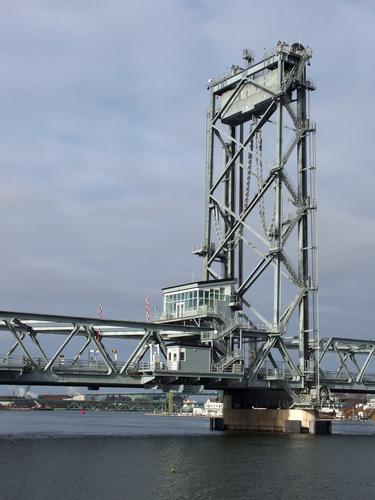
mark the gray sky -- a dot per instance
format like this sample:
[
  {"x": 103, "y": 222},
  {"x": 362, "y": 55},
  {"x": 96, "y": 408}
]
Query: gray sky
[{"x": 102, "y": 146}]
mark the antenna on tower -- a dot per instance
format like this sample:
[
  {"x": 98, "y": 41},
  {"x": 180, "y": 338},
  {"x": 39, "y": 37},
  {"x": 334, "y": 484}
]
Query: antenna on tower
[
  {"x": 147, "y": 305},
  {"x": 248, "y": 56}
]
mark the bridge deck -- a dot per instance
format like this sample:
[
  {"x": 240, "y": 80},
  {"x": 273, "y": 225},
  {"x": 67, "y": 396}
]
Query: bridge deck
[{"x": 139, "y": 369}]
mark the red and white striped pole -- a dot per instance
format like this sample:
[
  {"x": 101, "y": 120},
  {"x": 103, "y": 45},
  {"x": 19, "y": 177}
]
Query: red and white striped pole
[
  {"x": 147, "y": 303},
  {"x": 100, "y": 315}
]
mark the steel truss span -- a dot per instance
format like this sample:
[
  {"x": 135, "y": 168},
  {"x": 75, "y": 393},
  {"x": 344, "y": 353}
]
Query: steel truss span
[{"x": 30, "y": 359}]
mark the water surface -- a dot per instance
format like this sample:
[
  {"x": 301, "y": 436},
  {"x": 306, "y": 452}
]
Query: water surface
[{"x": 104, "y": 455}]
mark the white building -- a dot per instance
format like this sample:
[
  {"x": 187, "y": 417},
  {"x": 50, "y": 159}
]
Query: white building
[
  {"x": 211, "y": 408},
  {"x": 370, "y": 405}
]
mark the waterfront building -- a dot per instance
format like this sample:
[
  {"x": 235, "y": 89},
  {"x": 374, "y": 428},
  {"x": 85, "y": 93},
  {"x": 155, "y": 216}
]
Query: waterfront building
[{"x": 211, "y": 408}]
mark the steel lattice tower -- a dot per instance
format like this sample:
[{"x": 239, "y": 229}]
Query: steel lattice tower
[{"x": 258, "y": 111}]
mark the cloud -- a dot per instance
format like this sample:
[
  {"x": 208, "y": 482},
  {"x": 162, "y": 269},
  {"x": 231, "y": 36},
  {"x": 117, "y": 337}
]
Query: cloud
[{"x": 102, "y": 137}]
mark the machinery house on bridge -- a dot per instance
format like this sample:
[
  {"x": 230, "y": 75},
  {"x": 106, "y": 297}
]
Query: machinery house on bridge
[{"x": 200, "y": 299}]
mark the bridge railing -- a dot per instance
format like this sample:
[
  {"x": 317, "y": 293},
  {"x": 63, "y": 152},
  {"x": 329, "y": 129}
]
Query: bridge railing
[
  {"x": 331, "y": 376},
  {"x": 165, "y": 367},
  {"x": 229, "y": 358},
  {"x": 236, "y": 368},
  {"x": 198, "y": 311},
  {"x": 243, "y": 323},
  {"x": 281, "y": 373},
  {"x": 285, "y": 373},
  {"x": 21, "y": 362},
  {"x": 227, "y": 365},
  {"x": 7, "y": 362}
]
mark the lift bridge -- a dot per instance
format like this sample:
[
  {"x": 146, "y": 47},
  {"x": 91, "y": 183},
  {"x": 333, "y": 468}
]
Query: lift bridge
[{"x": 251, "y": 324}]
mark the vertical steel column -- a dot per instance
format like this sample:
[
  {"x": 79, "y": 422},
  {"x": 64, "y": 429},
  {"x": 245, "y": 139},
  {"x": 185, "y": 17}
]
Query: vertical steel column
[
  {"x": 232, "y": 253},
  {"x": 314, "y": 302},
  {"x": 303, "y": 240},
  {"x": 227, "y": 219},
  {"x": 209, "y": 177},
  {"x": 278, "y": 203},
  {"x": 240, "y": 209}
]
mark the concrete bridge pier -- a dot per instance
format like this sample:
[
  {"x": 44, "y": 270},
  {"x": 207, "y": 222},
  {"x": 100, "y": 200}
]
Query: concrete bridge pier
[{"x": 267, "y": 411}]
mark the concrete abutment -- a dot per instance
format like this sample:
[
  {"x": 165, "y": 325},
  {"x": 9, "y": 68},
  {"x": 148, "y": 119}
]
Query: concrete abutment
[{"x": 240, "y": 415}]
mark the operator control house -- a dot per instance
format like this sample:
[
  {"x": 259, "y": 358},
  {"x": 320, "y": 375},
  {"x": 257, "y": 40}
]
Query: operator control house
[{"x": 200, "y": 298}]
